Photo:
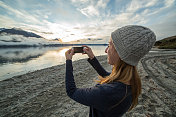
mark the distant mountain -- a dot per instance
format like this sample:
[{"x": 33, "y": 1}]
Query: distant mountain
[
  {"x": 167, "y": 43},
  {"x": 88, "y": 41},
  {"x": 17, "y": 31},
  {"x": 16, "y": 37},
  {"x": 2, "y": 29}
]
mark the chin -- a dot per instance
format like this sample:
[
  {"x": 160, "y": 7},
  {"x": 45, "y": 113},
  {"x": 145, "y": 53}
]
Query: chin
[{"x": 110, "y": 63}]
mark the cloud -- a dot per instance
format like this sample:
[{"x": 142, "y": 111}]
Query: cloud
[
  {"x": 89, "y": 11},
  {"x": 21, "y": 14},
  {"x": 150, "y": 14},
  {"x": 136, "y": 5},
  {"x": 102, "y": 3},
  {"x": 151, "y": 3},
  {"x": 89, "y": 18},
  {"x": 165, "y": 28},
  {"x": 90, "y": 8},
  {"x": 169, "y": 3},
  {"x": 81, "y": 1},
  {"x": 4, "y": 19}
]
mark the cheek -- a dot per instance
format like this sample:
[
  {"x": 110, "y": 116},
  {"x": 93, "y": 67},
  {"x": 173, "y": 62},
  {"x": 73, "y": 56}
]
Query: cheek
[
  {"x": 115, "y": 55},
  {"x": 107, "y": 51}
]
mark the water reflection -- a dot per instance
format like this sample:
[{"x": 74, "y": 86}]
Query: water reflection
[
  {"x": 62, "y": 52},
  {"x": 18, "y": 61}
]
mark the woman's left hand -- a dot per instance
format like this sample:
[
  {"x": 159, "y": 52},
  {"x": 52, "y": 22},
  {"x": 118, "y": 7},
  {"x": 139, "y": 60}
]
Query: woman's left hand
[{"x": 68, "y": 54}]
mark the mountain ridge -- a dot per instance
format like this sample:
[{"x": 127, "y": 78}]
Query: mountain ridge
[
  {"x": 166, "y": 43},
  {"x": 18, "y": 31}
]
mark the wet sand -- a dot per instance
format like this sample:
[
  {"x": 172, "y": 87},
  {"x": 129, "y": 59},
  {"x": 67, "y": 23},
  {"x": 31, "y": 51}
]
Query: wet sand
[
  {"x": 158, "y": 73},
  {"x": 42, "y": 93}
]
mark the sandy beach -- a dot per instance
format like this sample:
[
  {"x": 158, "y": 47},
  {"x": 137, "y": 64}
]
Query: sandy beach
[{"x": 42, "y": 93}]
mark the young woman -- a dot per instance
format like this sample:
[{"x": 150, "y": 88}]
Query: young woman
[{"x": 117, "y": 92}]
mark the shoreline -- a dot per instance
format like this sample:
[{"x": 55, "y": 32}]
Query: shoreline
[
  {"x": 42, "y": 92},
  {"x": 48, "y": 45},
  {"x": 18, "y": 73}
]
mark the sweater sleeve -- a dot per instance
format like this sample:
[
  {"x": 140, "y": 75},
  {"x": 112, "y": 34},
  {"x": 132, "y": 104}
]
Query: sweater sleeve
[
  {"x": 97, "y": 66},
  {"x": 86, "y": 96}
]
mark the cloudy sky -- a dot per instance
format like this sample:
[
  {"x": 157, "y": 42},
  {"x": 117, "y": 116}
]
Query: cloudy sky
[{"x": 82, "y": 19}]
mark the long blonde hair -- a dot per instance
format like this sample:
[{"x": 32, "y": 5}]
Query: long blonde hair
[{"x": 124, "y": 73}]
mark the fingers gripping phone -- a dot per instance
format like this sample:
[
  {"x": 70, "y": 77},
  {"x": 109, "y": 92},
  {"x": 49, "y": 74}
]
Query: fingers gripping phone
[{"x": 78, "y": 49}]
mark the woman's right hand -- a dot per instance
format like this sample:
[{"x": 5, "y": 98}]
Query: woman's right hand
[{"x": 88, "y": 51}]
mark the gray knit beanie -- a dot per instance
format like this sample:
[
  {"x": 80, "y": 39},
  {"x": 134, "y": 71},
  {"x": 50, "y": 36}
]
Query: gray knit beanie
[{"x": 132, "y": 42}]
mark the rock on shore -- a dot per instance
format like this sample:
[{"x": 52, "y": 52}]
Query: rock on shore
[{"x": 42, "y": 93}]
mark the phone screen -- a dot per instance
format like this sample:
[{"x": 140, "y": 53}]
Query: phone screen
[{"x": 78, "y": 49}]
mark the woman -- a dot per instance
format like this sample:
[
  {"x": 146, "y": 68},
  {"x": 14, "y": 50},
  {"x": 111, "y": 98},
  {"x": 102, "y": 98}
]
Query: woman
[{"x": 117, "y": 92}]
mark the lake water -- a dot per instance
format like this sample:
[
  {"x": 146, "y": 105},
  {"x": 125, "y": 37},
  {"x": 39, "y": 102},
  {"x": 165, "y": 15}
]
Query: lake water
[{"x": 17, "y": 61}]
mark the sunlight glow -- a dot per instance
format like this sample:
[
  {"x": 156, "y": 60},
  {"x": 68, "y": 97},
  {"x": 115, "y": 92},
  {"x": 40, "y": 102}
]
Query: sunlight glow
[
  {"x": 57, "y": 53},
  {"x": 65, "y": 32},
  {"x": 62, "y": 52}
]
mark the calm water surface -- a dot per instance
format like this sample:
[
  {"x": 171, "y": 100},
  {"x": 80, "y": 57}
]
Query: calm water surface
[{"x": 17, "y": 61}]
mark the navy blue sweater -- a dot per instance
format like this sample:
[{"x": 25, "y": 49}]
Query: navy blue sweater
[{"x": 102, "y": 97}]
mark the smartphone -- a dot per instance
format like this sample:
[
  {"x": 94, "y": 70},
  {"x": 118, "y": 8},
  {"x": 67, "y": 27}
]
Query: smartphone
[{"x": 78, "y": 49}]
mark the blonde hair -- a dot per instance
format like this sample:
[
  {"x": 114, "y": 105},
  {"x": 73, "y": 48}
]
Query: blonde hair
[{"x": 124, "y": 73}]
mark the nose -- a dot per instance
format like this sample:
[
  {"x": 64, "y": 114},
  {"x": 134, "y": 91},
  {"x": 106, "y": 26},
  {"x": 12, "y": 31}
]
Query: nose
[{"x": 106, "y": 49}]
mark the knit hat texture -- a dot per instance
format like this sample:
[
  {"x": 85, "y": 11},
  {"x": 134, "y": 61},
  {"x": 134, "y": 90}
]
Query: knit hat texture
[{"x": 132, "y": 42}]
